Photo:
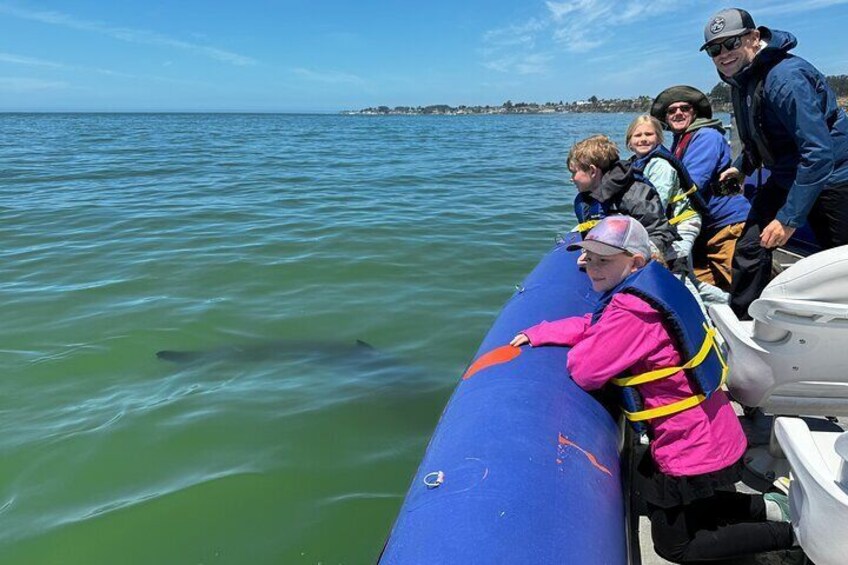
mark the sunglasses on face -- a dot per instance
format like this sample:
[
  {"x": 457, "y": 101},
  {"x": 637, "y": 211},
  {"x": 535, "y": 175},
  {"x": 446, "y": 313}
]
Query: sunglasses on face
[
  {"x": 731, "y": 44},
  {"x": 685, "y": 108}
]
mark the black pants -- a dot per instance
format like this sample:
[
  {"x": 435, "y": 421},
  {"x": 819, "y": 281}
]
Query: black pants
[
  {"x": 752, "y": 264},
  {"x": 829, "y": 217},
  {"x": 723, "y": 526}
]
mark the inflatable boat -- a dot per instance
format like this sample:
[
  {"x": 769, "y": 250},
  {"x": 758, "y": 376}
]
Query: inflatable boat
[
  {"x": 523, "y": 466},
  {"x": 526, "y": 467}
]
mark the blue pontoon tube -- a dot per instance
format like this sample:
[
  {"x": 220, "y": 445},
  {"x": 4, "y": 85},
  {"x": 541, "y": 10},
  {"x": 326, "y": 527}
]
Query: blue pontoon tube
[{"x": 523, "y": 466}]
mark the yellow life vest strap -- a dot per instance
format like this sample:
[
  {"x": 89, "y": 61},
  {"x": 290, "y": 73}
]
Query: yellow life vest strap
[
  {"x": 706, "y": 346},
  {"x": 666, "y": 410},
  {"x": 678, "y": 197},
  {"x": 585, "y": 226},
  {"x": 681, "y": 405},
  {"x": 685, "y": 215}
]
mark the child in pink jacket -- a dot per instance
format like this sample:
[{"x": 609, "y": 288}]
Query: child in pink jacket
[{"x": 694, "y": 452}]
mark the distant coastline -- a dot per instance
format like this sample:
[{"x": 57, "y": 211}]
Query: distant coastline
[
  {"x": 592, "y": 105},
  {"x": 719, "y": 97}
]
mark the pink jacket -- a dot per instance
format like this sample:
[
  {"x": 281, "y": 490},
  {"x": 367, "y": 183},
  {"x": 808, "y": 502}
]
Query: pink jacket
[{"x": 630, "y": 337}]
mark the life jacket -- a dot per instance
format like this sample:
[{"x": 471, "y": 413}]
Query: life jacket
[
  {"x": 750, "y": 124},
  {"x": 693, "y": 338},
  {"x": 683, "y": 144},
  {"x": 687, "y": 189},
  {"x": 589, "y": 212}
]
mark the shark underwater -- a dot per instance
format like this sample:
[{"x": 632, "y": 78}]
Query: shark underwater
[
  {"x": 357, "y": 352},
  {"x": 356, "y": 364}
]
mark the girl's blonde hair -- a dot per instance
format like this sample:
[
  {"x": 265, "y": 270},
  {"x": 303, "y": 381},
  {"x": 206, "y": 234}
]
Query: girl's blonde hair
[
  {"x": 598, "y": 150},
  {"x": 644, "y": 119}
]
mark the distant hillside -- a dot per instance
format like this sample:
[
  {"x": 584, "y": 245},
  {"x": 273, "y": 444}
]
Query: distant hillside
[
  {"x": 839, "y": 84},
  {"x": 719, "y": 96},
  {"x": 593, "y": 104}
]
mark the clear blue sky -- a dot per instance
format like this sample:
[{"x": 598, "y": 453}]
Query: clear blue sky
[{"x": 319, "y": 55}]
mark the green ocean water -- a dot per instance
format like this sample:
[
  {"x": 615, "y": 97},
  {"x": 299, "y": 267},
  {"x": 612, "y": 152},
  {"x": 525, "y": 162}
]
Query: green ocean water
[{"x": 270, "y": 244}]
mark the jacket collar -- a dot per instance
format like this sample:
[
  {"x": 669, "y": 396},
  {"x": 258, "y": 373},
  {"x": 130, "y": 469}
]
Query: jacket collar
[{"x": 699, "y": 123}]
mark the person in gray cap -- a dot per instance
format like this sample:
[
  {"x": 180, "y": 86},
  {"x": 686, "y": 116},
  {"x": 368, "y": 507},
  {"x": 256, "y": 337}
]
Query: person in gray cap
[
  {"x": 700, "y": 145},
  {"x": 789, "y": 122}
]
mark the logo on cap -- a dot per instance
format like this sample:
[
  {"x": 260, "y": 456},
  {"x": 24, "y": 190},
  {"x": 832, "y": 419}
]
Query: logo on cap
[{"x": 717, "y": 25}]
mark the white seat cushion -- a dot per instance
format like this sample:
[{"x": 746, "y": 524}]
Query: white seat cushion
[
  {"x": 793, "y": 359},
  {"x": 818, "y": 503}
]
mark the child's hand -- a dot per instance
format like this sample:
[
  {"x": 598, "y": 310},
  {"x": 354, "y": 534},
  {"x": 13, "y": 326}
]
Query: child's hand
[
  {"x": 581, "y": 261},
  {"x": 519, "y": 340}
]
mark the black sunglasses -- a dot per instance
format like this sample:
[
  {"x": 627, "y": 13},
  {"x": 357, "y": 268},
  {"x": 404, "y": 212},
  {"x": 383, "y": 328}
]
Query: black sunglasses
[
  {"x": 681, "y": 108},
  {"x": 731, "y": 44}
]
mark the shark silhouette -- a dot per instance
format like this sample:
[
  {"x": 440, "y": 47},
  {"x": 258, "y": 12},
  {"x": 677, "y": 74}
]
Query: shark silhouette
[{"x": 357, "y": 352}]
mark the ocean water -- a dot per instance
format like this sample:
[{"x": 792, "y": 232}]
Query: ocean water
[{"x": 332, "y": 275}]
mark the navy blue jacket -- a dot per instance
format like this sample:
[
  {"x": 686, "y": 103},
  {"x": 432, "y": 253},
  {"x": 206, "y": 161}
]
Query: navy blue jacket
[{"x": 805, "y": 130}]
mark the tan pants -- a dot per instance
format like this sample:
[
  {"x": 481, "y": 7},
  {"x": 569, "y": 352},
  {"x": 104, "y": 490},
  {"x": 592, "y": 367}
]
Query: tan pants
[{"x": 712, "y": 258}]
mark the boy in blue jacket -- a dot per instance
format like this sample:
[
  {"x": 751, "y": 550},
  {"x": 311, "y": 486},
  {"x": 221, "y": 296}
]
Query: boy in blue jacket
[{"x": 789, "y": 122}]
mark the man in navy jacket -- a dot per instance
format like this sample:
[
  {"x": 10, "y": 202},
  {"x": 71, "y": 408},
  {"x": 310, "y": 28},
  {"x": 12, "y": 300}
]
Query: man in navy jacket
[{"x": 789, "y": 122}]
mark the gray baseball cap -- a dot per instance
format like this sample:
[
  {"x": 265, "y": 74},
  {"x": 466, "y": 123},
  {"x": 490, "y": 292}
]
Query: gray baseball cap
[
  {"x": 727, "y": 23},
  {"x": 616, "y": 234}
]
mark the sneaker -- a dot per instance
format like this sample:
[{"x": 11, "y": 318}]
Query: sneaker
[
  {"x": 782, "y": 502},
  {"x": 782, "y": 484}
]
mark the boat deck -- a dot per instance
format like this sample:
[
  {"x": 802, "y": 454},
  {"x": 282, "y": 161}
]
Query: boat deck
[{"x": 758, "y": 429}]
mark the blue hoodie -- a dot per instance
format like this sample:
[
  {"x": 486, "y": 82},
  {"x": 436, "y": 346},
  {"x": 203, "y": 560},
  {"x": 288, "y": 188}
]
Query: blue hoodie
[{"x": 805, "y": 130}]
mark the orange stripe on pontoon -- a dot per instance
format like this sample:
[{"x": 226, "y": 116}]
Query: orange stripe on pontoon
[
  {"x": 496, "y": 356},
  {"x": 564, "y": 441}
]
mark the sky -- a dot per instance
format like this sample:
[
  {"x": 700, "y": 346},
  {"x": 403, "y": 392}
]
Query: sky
[{"x": 333, "y": 55}]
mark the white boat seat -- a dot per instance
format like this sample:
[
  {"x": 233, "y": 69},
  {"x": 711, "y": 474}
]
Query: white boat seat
[
  {"x": 818, "y": 493},
  {"x": 793, "y": 358},
  {"x": 841, "y": 446}
]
